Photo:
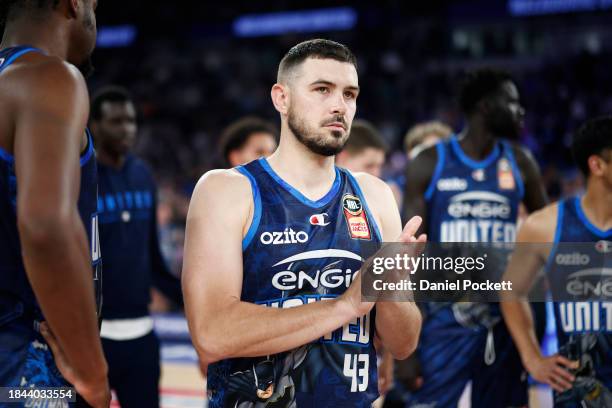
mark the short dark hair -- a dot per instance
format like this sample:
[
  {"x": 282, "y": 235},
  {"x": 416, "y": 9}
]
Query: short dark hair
[
  {"x": 110, "y": 93},
  {"x": 237, "y": 133},
  {"x": 11, "y": 8},
  {"x": 593, "y": 137},
  {"x": 478, "y": 85},
  {"x": 364, "y": 135},
  {"x": 316, "y": 48}
]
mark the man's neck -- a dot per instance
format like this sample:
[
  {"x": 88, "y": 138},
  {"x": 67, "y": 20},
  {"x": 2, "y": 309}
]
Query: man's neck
[
  {"x": 597, "y": 204},
  {"x": 476, "y": 141},
  {"x": 41, "y": 34},
  {"x": 311, "y": 174},
  {"x": 116, "y": 161}
]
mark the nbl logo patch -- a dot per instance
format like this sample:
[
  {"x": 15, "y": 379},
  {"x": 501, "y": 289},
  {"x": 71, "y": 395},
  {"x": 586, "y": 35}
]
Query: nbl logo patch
[{"x": 356, "y": 218}]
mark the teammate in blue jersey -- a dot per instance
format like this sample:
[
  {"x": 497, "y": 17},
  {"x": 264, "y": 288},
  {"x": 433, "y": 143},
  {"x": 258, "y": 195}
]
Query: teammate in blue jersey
[
  {"x": 48, "y": 224},
  {"x": 579, "y": 276},
  {"x": 133, "y": 262},
  {"x": 272, "y": 249},
  {"x": 468, "y": 189}
]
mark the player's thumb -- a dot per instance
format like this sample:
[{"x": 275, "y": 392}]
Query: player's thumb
[{"x": 410, "y": 229}]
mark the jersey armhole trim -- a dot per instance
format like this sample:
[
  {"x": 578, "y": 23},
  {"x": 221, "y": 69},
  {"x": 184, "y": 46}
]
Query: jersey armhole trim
[
  {"x": 558, "y": 230},
  {"x": 256, "y": 210},
  {"x": 355, "y": 185},
  {"x": 515, "y": 170},
  {"x": 6, "y": 156},
  {"x": 437, "y": 172},
  {"x": 16, "y": 55},
  {"x": 89, "y": 150}
]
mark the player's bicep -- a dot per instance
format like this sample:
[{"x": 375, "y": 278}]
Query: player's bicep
[
  {"x": 49, "y": 128},
  {"x": 535, "y": 193},
  {"x": 212, "y": 265},
  {"x": 419, "y": 173}
]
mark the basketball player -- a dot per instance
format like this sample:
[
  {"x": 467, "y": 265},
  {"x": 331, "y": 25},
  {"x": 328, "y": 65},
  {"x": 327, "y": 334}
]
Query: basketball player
[
  {"x": 133, "y": 262},
  {"x": 364, "y": 151},
  {"x": 581, "y": 373},
  {"x": 272, "y": 247},
  {"x": 468, "y": 189},
  {"x": 247, "y": 139},
  {"x": 48, "y": 227}
]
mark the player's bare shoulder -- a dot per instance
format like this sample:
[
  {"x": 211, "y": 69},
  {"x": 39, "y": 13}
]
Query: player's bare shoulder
[
  {"x": 35, "y": 73},
  {"x": 227, "y": 193},
  {"x": 539, "y": 227}
]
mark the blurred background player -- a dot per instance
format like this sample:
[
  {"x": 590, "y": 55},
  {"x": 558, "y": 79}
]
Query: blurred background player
[
  {"x": 418, "y": 138},
  {"x": 464, "y": 342},
  {"x": 423, "y": 135},
  {"x": 364, "y": 151},
  {"x": 581, "y": 373},
  {"x": 48, "y": 226},
  {"x": 127, "y": 208},
  {"x": 247, "y": 139}
]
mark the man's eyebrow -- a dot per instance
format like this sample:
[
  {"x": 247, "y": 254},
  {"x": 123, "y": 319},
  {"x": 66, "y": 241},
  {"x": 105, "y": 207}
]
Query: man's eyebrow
[{"x": 329, "y": 83}]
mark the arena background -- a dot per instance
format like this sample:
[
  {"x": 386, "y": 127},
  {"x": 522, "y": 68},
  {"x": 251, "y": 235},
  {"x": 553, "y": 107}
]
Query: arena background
[{"x": 193, "y": 67}]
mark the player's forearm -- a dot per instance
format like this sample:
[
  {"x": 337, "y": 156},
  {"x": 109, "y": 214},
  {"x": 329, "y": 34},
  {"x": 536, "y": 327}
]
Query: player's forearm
[
  {"x": 519, "y": 319},
  {"x": 248, "y": 330},
  {"x": 58, "y": 266},
  {"x": 398, "y": 325}
]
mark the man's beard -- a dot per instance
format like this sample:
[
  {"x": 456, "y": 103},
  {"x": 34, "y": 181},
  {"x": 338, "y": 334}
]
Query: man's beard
[
  {"x": 86, "y": 67},
  {"x": 502, "y": 124},
  {"x": 317, "y": 143}
]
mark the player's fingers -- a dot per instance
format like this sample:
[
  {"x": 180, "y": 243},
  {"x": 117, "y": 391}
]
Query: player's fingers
[
  {"x": 555, "y": 386},
  {"x": 411, "y": 228},
  {"x": 422, "y": 238},
  {"x": 566, "y": 362},
  {"x": 49, "y": 338},
  {"x": 561, "y": 372}
]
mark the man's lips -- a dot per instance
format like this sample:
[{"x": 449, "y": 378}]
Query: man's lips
[{"x": 336, "y": 125}]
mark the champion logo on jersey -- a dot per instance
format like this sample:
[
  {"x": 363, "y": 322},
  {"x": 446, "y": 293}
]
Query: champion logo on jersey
[
  {"x": 356, "y": 218},
  {"x": 1, "y": 61},
  {"x": 478, "y": 175},
  {"x": 319, "y": 219},
  {"x": 603, "y": 246}
]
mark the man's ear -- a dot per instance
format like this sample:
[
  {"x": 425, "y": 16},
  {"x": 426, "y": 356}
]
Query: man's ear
[{"x": 280, "y": 98}]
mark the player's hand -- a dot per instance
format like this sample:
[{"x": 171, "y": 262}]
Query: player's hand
[
  {"x": 553, "y": 371},
  {"x": 409, "y": 373},
  {"x": 408, "y": 235},
  {"x": 95, "y": 392},
  {"x": 353, "y": 299},
  {"x": 385, "y": 373}
]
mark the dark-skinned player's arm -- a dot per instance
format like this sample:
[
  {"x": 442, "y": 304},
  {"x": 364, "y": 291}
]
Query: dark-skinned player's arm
[
  {"x": 163, "y": 280},
  {"x": 535, "y": 194},
  {"x": 398, "y": 324},
  {"x": 419, "y": 173},
  {"x": 51, "y": 113},
  {"x": 522, "y": 270},
  {"x": 221, "y": 324}
]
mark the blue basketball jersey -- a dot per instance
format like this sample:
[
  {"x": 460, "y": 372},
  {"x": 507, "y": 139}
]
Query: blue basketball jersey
[
  {"x": 298, "y": 251},
  {"x": 15, "y": 290},
  {"x": 582, "y": 272},
  {"x": 473, "y": 201}
]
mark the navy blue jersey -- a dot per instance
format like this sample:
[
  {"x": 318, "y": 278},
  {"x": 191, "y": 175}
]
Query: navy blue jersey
[
  {"x": 299, "y": 251},
  {"x": 582, "y": 272},
  {"x": 128, "y": 235},
  {"x": 15, "y": 288},
  {"x": 470, "y": 201}
]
